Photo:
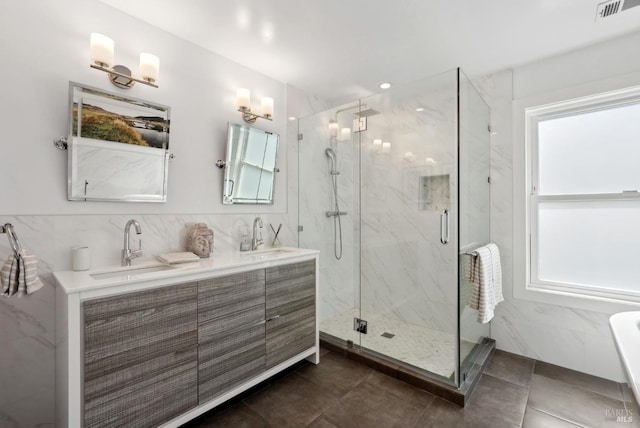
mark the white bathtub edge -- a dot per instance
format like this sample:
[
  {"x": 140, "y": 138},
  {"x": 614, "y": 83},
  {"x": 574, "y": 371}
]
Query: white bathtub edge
[{"x": 625, "y": 327}]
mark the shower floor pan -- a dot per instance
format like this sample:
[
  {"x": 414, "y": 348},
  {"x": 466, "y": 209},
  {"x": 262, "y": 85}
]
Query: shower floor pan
[
  {"x": 415, "y": 354},
  {"x": 415, "y": 345}
]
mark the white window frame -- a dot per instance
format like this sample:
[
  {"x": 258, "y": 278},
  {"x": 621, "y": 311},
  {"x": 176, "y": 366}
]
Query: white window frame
[{"x": 577, "y": 295}]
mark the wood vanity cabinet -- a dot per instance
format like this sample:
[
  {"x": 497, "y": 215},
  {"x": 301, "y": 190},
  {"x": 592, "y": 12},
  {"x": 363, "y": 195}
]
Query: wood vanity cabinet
[
  {"x": 290, "y": 310},
  {"x": 251, "y": 322},
  {"x": 160, "y": 352},
  {"x": 140, "y": 357},
  {"x": 231, "y": 331}
]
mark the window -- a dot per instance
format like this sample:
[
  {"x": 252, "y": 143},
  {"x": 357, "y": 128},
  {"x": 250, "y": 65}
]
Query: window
[{"x": 584, "y": 201}]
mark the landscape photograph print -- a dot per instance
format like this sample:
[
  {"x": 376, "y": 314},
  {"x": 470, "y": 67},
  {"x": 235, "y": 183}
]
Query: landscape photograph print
[{"x": 107, "y": 117}]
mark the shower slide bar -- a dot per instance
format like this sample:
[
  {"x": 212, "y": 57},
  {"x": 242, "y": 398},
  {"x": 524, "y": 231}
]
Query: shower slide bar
[{"x": 335, "y": 213}]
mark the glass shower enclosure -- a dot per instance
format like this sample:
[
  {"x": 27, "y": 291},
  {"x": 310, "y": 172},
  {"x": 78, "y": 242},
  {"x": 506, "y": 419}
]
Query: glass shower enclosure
[{"x": 394, "y": 191}]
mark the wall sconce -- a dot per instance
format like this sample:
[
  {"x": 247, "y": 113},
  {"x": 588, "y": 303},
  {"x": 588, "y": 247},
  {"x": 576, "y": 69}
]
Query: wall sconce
[
  {"x": 345, "y": 134},
  {"x": 386, "y": 147},
  {"x": 243, "y": 99},
  {"x": 377, "y": 145},
  {"x": 102, "y": 48},
  {"x": 333, "y": 130}
]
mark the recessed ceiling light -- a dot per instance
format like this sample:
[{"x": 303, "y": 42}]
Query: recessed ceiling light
[
  {"x": 420, "y": 109},
  {"x": 292, "y": 118},
  {"x": 385, "y": 85}
]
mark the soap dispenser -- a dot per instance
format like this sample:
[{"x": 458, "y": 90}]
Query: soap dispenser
[{"x": 245, "y": 244}]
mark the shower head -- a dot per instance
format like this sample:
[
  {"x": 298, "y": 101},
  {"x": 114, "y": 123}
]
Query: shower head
[
  {"x": 361, "y": 110},
  {"x": 331, "y": 154},
  {"x": 366, "y": 111}
]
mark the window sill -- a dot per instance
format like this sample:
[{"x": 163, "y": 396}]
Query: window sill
[{"x": 562, "y": 297}]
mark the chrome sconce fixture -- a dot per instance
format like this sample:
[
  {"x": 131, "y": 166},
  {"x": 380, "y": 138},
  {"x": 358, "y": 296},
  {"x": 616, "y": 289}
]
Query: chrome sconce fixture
[
  {"x": 333, "y": 131},
  {"x": 243, "y": 99},
  {"x": 102, "y": 57}
]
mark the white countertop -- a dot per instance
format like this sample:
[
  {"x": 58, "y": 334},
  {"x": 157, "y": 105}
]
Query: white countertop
[{"x": 121, "y": 278}]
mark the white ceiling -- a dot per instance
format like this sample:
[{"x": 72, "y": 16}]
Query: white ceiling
[{"x": 341, "y": 49}]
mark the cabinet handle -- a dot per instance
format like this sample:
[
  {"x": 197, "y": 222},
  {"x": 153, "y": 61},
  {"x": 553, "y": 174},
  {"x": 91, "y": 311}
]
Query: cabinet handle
[{"x": 275, "y": 317}]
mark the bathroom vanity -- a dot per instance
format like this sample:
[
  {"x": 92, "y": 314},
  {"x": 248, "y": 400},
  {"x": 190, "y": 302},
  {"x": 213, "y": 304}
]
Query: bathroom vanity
[{"x": 157, "y": 345}]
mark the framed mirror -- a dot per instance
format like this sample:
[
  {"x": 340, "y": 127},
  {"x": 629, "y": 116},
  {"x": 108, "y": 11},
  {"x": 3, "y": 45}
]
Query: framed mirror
[
  {"x": 118, "y": 147},
  {"x": 250, "y": 167}
]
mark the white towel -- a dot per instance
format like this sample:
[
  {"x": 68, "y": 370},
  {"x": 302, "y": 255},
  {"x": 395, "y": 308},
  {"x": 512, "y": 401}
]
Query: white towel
[
  {"x": 486, "y": 273},
  {"x": 19, "y": 275}
]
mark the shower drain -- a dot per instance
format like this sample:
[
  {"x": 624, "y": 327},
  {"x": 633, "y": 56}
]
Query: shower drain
[{"x": 387, "y": 335}]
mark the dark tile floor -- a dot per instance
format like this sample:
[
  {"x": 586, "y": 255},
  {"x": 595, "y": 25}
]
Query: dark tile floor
[{"x": 513, "y": 392}]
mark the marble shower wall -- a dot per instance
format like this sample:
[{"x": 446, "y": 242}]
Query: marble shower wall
[
  {"x": 337, "y": 277},
  {"x": 407, "y": 274}
]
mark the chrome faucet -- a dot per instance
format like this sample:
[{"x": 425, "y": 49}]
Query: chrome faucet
[
  {"x": 255, "y": 242},
  {"x": 127, "y": 254}
]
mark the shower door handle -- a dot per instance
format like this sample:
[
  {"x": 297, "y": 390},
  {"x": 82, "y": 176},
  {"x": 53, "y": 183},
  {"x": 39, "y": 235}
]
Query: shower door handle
[{"x": 444, "y": 226}]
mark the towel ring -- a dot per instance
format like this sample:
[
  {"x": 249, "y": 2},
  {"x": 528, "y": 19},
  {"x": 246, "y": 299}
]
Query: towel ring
[{"x": 13, "y": 238}]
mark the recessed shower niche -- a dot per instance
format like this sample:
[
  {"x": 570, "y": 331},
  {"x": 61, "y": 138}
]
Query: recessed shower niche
[{"x": 434, "y": 192}]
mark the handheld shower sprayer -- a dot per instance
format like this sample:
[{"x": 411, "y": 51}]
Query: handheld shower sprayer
[
  {"x": 330, "y": 153},
  {"x": 332, "y": 156}
]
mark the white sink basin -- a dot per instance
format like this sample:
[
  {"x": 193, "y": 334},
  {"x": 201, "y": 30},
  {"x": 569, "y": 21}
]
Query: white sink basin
[{"x": 129, "y": 271}]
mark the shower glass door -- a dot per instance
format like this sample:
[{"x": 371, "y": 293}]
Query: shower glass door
[
  {"x": 475, "y": 206},
  {"x": 408, "y": 229},
  {"x": 328, "y": 172}
]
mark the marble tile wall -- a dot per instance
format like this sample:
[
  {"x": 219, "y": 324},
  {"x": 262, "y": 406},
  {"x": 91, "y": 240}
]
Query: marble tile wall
[{"x": 573, "y": 338}]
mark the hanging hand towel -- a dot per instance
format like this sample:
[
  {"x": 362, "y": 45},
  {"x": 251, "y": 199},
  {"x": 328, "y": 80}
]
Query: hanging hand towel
[
  {"x": 28, "y": 280},
  {"x": 486, "y": 273},
  {"x": 19, "y": 275},
  {"x": 9, "y": 276}
]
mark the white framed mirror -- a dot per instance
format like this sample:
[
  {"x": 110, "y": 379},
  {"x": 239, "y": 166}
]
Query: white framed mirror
[
  {"x": 118, "y": 147},
  {"x": 250, "y": 166}
]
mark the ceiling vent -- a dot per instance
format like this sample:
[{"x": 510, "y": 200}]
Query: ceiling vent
[{"x": 614, "y": 7}]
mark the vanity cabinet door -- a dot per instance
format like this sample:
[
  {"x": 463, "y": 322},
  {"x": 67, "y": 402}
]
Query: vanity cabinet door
[
  {"x": 140, "y": 357},
  {"x": 291, "y": 310},
  {"x": 231, "y": 326}
]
